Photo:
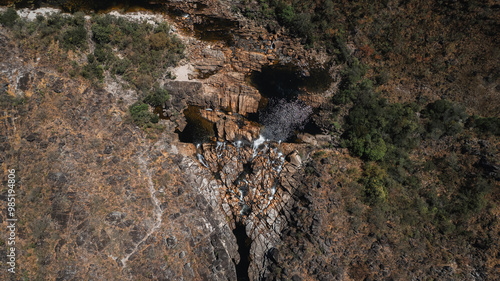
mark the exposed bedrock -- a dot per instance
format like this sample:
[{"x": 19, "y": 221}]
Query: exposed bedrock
[{"x": 255, "y": 183}]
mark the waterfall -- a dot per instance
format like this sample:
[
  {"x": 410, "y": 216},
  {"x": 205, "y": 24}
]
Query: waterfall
[
  {"x": 252, "y": 182},
  {"x": 256, "y": 144},
  {"x": 219, "y": 149},
  {"x": 201, "y": 158},
  {"x": 238, "y": 144}
]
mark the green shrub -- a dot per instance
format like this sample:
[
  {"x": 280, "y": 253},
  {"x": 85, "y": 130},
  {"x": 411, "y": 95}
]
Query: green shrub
[
  {"x": 104, "y": 54},
  {"x": 101, "y": 29},
  {"x": 158, "y": 41},
  {"x": 148, "y": 51},
  {"x": 93, "y": 70},
  {"x": 286, "y": 13},
  {"x": 444, "y": 118},
  {"x": 470, "y": 198},
  {"x": 375, "y": 128},
  {"x": 303, "y": 27},
  {"x": 75, "y": 37},
  {"x": 9, "y": 17},
  {"x": 487, "y": 125},
  {"x": 374, "y": 184},
  {"x": 141, "y": 116},
  {"x": 157, "y": 98},
  {"x": 352, "y": 84},
  {"x": 120, "y": 66}
]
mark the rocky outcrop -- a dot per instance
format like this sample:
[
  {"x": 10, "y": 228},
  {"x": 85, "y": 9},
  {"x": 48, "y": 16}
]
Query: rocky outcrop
[
  {"x": 256, "y": 184},
  {"x": 234, "y": 94},
  {"x": 224, "y": 91}
]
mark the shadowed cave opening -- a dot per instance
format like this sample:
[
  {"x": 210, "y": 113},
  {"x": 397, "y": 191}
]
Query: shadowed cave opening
[
  {"x": 288, "y": 81},
  {"x": 244, "y": 243},
  {"x": 198, "y": 129}
]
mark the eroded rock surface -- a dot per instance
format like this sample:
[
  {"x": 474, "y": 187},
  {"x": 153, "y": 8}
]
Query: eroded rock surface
[{"x": 256, "y": 184}]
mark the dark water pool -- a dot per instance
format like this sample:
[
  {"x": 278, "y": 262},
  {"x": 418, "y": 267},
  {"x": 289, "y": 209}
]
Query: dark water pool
[
  {"x": 286, "y": 82},
  {"x": 198, "y": 129}
]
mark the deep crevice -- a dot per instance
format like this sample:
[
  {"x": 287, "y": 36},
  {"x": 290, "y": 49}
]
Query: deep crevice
[{"x": 244, "y": 243}]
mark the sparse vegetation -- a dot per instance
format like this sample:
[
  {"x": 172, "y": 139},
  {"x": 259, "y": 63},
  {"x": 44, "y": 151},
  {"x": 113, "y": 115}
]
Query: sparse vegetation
[
  {"x": 146, "y": 50},
  {"x": 140, "y": 52}
]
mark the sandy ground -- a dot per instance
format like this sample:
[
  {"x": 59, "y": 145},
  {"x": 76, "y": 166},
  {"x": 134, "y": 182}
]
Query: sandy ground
[
  {"x": 182, "y": 72},
  {"x": 31, "y": 14}
]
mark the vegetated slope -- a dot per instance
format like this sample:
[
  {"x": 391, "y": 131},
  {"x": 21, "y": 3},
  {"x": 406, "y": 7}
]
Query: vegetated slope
[
  {"x": 415, "y": 48},
  {"x": 97, "y": 196},
  {"x": 413, "y": 74}
]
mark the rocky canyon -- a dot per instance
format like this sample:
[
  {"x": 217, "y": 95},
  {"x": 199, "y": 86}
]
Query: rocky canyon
[{"x": 206, "y": 140}]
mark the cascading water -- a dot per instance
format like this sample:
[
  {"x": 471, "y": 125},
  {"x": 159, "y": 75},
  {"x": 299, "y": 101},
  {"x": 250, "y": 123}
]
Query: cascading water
[
  {"x": 220, "y": 148},
  {"x": 256, "y": 144},
  {"x": 249, "y": 171},
  {"x": 200, "y": 156}
]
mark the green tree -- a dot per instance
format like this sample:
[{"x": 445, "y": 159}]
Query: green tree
[
  {"x": 157, "y": 98},
  {"x": 75, "y": 37},
  {"x": 374, "y": 184},
  {"x": 9, "y": 17},
  {"x": 444, "y": 118},
  {"x": 141, "y": 116}
]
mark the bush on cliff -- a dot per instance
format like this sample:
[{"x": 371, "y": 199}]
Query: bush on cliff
[
  {"x": 444, "y": 118},
  {"x": 158, "y": 97},
  {"x": 9, "y": 17},
  {"x": 141, "y": 116},
  {"x": 142, "y": 64}
]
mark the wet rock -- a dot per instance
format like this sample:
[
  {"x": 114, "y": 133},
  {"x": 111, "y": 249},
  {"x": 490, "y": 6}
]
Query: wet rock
[{"x": 227, "y": 129}]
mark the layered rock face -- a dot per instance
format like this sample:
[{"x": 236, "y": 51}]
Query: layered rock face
[{"x": 256, "y": 181}]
